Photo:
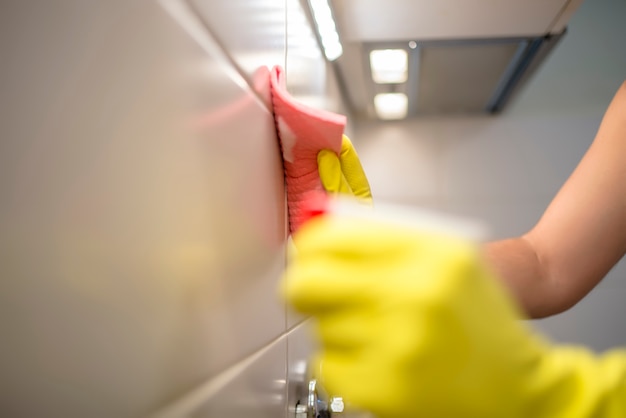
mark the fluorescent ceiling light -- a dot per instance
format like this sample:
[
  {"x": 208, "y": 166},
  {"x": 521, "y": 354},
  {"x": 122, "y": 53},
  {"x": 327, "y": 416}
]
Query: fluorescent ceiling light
[
  {"x": 326, "y": 29},
  {"x": 389, "y": 65},
  {"x": 391, "y": 105}
]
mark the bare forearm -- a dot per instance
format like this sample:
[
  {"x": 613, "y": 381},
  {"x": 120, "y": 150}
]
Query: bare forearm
[
  {"x": 516, "y": 263},
  {"x": 575, "y": 243}
]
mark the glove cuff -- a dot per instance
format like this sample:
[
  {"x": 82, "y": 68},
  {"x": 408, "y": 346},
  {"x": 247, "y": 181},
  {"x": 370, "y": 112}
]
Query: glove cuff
[{"x": 573, "y": 382}]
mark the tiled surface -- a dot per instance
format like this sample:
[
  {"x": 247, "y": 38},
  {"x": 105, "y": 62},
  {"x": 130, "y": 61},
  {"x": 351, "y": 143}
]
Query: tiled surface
[
  {"x": 401, "y": 162},
  {"x": 142, "y": 212},
  {"x": 300, "y": 349},
  {"x": 310, "y": 79},
  {"x": 268, "y": 384},
  {"x": 252, "y": 31},
  {"x": 513, "y": 157},
  {"x": 503, "y": 218},
  {"x": 293, "y": 317},
  {"x": 473, "y": 158},
  {"x": 256, "y": 388}
]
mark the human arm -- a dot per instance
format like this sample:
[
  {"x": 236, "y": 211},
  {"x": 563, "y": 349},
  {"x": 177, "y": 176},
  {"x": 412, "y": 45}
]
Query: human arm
[
  {"x": 413, "y": 324},
  {"x": 581, "y": 235}
]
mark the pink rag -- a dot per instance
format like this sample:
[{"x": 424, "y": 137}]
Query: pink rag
[{"x": 302, "y": 132}]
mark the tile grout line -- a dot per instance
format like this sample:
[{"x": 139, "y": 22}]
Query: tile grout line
[
  {"x": 193, "y": 399},
  {"x": 188, "y": 17},
  {"x": 194, "y": 10}
]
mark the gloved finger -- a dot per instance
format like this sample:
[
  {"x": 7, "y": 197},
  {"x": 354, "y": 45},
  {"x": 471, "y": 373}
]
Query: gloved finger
[
  {"x": 347, "y": 328},
  {"x": 330, "y": 172},
  {"x": 321, "y": 285},
  {"x": 350, "y": 238},
  {"x": 370, "y": 379},
  {"x": 353, "y": 170}
]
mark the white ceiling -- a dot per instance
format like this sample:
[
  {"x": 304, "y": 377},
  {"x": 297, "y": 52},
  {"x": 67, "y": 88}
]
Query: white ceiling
[
  {"x": 392, "y": 20},
  {"x": 584, "y": 69}
]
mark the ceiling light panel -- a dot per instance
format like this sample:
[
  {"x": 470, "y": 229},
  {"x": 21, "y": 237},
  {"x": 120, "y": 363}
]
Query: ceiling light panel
[
  {"x": 326, "y": 29},
  {"x": 389, "y": 65},
  {"x": 391, "y": 106}
]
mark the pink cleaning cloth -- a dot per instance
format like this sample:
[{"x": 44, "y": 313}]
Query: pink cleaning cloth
[{"x": 302, "y": 132}]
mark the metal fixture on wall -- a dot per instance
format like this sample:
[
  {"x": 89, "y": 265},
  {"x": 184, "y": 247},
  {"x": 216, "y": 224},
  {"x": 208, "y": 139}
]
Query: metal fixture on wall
[{"x": 316, "y": 404}]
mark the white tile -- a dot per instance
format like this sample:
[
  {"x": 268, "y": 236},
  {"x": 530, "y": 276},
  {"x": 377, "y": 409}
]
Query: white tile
[
  {"x": 142, "y": 213},
  {"x": 511, "y": 157},
  {"x": 503, "y": 218},
  {"x": 301, "y": 347},
  {"x": 293, "y": 317},
  {"x": 616, "y": 278},
  {"x": 310, "y": 79},
  {"x": 255, "y": 386},
  {"x": 473, "y": 158},
  {"x": 400, "y": 163},
  {"x": 253, "y": 32}
]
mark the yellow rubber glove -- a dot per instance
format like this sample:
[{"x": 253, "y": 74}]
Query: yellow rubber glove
[
  {"x": 343, "y": 174},
  {"x": 412, "y": 324}
]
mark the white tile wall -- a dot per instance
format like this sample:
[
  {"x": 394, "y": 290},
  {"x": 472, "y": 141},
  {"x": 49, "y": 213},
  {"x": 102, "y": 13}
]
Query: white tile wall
[
  {"x": 256, "y": 386},
  {"x": 251, "y": 31},
  {"x": 307, "y": 72},
  {"x": 142, "y": 215},
  {"x": 469, "y": 158},
  {"x": 300, "y": 347}
]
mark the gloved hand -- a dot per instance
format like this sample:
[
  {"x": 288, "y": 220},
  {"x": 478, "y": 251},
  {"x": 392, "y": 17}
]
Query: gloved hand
[
  {"x": 413, "y": 324},
  {"x": 343, "y": 174}
]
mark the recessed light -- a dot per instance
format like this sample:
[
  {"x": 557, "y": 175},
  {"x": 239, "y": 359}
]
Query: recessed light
[
  {"x": 391, "y": 105},
  {"x": 389, "y": 65},
  {"x": 326, "y": 29}
]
